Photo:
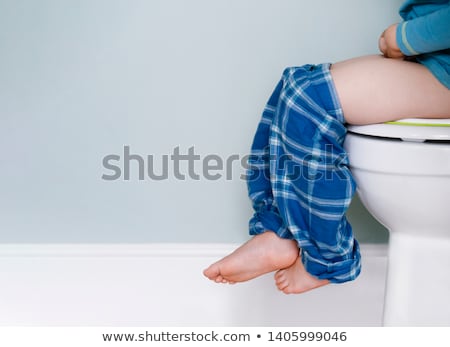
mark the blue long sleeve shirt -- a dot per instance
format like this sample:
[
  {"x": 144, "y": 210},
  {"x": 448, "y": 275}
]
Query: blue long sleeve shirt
[{"x": 425, "y": 34}]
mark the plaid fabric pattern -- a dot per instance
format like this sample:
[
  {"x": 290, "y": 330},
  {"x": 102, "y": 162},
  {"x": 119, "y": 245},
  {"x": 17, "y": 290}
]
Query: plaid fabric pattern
[{"x": 298, "y": 176}]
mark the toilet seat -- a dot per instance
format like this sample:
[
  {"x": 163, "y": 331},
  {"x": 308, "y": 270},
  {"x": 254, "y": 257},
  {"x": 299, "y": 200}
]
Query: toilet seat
[{"x": 409, "y": 129}]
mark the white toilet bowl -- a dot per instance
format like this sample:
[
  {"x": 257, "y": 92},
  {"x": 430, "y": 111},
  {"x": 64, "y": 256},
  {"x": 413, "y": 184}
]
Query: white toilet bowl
[{"x": 402, "y": 170}]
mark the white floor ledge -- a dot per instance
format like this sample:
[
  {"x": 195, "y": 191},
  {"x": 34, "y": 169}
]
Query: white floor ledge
[
  {"x": 163, "y": 285},
  {"x": 140, "y": 250}
]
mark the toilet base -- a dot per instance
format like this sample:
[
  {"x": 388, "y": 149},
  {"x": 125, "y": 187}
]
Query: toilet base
[{"x": 418, "y": 281}]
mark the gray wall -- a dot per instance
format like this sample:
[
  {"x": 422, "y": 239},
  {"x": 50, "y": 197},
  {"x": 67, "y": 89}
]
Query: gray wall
[{"x": 79, "y": 80}]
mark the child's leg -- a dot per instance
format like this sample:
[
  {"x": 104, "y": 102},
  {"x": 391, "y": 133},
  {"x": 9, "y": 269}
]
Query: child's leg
[
  {"x": 311, "y": 181},
  {"x": 374, "y": 89},
  {"x": 306, "y": 133},
  {"x": 267, "y": 251}
]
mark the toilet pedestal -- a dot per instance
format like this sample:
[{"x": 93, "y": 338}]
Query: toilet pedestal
[
  {"x": 405, "y": 185},
  {"x": 415, "y": 294}
]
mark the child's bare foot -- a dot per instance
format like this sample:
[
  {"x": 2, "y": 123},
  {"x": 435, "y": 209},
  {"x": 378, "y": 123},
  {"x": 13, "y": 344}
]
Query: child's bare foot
[
  {"x": 262, "y": 254},
  {"x": 295, "y": 279}
]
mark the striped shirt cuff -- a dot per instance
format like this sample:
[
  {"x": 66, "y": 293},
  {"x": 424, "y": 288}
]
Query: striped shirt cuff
[{"x": 402, "y": 40}]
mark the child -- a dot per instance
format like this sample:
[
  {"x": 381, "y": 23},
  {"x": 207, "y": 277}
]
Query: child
[{"x": 298, "y": 178}]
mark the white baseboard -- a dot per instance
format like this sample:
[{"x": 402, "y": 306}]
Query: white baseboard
[
  {"x": 163, "y": 285},
  {"x": 196, "y": 250}
]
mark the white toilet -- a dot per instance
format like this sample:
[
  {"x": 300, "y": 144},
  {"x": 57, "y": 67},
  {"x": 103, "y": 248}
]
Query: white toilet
[{"x": 402, "y": 170}]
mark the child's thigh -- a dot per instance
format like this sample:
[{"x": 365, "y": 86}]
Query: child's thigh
[{"x": 375, "y": 89}]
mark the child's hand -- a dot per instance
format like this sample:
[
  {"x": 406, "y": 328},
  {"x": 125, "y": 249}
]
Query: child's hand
[{"x": 388, "y": 43}]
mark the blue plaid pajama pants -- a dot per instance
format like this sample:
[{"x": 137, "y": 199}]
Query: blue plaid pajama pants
[{"x": 298, "y": 177}]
